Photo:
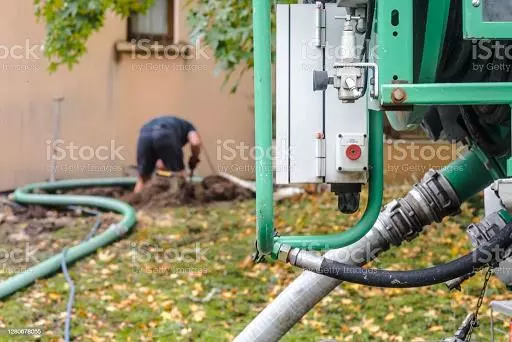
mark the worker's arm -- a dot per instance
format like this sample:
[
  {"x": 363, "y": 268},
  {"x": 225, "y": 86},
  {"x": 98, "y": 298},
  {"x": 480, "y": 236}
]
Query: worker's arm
[
  {"x": 195, "y": 146},
  {"x": 195, "y": 143}
]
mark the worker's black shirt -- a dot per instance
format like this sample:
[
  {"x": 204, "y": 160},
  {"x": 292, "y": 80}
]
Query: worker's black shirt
[
  {"x": 179, "y": 127},
  {"x": 162, "y": 138}
]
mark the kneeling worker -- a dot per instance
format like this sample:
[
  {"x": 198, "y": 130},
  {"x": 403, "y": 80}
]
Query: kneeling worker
[{"x": 160, "y": 145}]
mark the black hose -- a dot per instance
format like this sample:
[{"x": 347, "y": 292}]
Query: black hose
[{"x": 487, "y": 255}]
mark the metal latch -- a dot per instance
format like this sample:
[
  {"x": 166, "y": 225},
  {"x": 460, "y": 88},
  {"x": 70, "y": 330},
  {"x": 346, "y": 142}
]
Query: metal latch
[
  {"x": 320, "y": 25},
  {"x": 320, "y": 155}
]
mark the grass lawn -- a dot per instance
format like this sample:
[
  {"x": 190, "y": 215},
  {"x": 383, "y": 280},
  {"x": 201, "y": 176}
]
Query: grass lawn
[{"x": 185, "y": 275}]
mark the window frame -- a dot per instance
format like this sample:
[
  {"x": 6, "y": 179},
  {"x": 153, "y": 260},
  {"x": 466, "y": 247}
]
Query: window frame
[{"x": 165, "y": 39}]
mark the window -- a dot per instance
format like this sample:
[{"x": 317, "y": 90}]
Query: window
[{"x": 157, "y": 24}]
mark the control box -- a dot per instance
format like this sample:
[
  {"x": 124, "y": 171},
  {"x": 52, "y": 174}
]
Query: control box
[{"x": 319, "y": 139}]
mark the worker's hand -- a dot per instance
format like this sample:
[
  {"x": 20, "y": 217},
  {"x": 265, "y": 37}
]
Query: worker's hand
[{"x": 192, "y": 162}]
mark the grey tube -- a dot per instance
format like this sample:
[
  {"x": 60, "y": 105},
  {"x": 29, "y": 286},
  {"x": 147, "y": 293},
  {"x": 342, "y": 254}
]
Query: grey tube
[
  {"x": 305, "y": 292},
  {"x": 402, "y": 219}
]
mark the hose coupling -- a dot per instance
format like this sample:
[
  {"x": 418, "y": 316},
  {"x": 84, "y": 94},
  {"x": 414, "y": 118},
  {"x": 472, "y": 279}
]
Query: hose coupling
[
  {"x": 427, "y": 202},
  {"x": 301, "y": 258}
]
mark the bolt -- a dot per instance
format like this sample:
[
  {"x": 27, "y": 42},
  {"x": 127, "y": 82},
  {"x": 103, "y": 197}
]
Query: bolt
[
  {"x": 476, "y": 3},
  {"x": 284, "y": 251},
  {"x": 398, "y": 95}
]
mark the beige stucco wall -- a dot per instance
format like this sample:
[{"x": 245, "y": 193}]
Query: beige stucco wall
[{"x": 106, "y": 101}]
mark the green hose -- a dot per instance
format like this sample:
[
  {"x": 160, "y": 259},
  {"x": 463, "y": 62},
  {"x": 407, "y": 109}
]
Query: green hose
[
  {"x": 365, "y": 224},
  {"x": 53, "y": 264}
]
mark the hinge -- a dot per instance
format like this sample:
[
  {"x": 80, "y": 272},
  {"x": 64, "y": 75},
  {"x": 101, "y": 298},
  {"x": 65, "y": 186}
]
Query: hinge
[
  {"x": 320, "y": 26},
  {"x": 320, "y": 155}
]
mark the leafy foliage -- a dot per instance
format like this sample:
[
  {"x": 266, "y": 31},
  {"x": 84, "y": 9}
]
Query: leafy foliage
[
  {"x": 70, "y": 23},
  {"x": 226, "y": 27}
]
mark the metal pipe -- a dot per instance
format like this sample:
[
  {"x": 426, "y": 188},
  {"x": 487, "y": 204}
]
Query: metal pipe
[
  {"x": 376, "y": 159},
  {"x": 57, "y": 102},
  {"x": 263, "y": 124}
]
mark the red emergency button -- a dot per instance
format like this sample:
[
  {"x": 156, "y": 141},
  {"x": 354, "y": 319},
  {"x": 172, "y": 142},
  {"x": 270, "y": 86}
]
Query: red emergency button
[{"x": 353, "y": 152}]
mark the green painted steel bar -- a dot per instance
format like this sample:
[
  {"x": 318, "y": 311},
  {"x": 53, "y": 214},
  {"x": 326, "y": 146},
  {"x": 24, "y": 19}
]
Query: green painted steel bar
[
  {"x": 53, "y": 264},
  {"x": 437, "y": 20},
  {"x": 448, "y": 93},
  {"x": 395, "y": 43},
  {"x": 263, "y": 124},
  {"x": 509, "y": 161},
  {"x": 435, "y": 32},
  {"x": 376, "y": 160}
]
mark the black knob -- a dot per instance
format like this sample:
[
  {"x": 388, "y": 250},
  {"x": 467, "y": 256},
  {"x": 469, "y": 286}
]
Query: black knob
[{"x": 320, "y": 80}]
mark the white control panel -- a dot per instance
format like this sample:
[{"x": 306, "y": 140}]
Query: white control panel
[{"x": 319, "y": 139}]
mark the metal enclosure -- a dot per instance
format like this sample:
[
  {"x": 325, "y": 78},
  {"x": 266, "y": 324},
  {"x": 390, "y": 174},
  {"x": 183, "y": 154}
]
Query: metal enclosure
[
  {"x": 487, "y": 19},
  {"x": 316, "y": 134}
]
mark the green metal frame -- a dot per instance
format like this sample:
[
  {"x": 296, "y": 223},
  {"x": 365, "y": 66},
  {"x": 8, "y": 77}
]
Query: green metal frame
[
  {"x": 435, "y": 31},
  {"x": 263, "y": 124},
  {"x": 396, "y": 61},
  {"x": 395, "y": 47},
  {"x": 395, "y": 43},
  {"x": 476, "y": 28},
  {"x": 448, "y": 93}
]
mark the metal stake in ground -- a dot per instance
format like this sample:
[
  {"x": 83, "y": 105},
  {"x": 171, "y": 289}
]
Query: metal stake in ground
[
  {"x": 57, "y": 105},
  {"x": 208, "y": 159}
]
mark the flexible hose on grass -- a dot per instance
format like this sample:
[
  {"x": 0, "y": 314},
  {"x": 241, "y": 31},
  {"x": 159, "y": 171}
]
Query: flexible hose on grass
[
  {"x": 69, "y": 280},
  {"x": 51, "y": 265},
  {"x": 71, "y": 299}
]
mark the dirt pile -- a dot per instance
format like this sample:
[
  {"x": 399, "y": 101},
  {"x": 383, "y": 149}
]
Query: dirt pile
[
  {"x": 163, "y": 192},
  {"x": 24, "y": 222},
  {"x": 19, "y": 222}
]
